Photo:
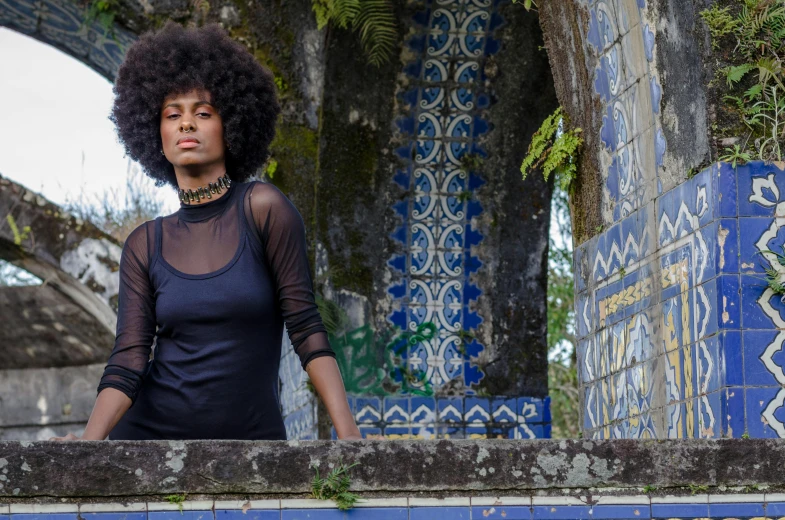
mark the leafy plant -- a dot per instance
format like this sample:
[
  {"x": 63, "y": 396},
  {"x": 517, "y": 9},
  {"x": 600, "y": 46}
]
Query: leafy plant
[
  {"x": 374, "y": 20},
  {"x": 554, "y": 148},
  {"x": 775, "y": 280},
  {"x": 103, "y": 12},
  {"x": 18, "y": 236},
  {"x": 527, "y": 4},
  {"x": 756, "y": 66},
  {"x": 733, "y": 155},
  {"x": 335, "y": 486},
  {"x": 176, "y": 499}
]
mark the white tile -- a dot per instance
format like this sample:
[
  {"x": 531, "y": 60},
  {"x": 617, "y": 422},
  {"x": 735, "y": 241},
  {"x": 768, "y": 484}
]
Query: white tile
[
  {"x": 631, "y": 500},
  {"x": 4, "y": 509},
  {"x": 255, "y": 504},
  {"x": 136, "y": 507},
  {"x": 724, "y": 499},
  {"x": 502, "y": 501},
  {"x": 188, "y": 505},
  {"x": 18, "y": 509},
  {"x": 688, "y": 499},
  {"x": 440, "y": 502},
  {"x": 557, "y": 501},
  {"x": 307, "y": 503},
  {"x": 775, "y": 497},
  {"x": 383, "y": 502}
]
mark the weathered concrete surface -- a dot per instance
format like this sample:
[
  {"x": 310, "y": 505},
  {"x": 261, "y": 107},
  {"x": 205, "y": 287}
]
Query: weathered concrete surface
[
  {"x": 36, "y": 403},
  {"x": 139, "y": 468},
  {"x": 69, "y": 319}
]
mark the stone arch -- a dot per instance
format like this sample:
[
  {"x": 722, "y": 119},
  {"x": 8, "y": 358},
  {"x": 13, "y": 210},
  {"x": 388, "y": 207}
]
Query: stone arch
[{"x": 61, "y": 24}]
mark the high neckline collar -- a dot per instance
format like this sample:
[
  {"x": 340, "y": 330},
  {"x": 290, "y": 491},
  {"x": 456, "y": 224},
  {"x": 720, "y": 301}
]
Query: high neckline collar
[{"x": 205, "y": 210}]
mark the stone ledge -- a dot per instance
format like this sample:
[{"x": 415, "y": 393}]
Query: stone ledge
[{"x": 213, "y": 469}]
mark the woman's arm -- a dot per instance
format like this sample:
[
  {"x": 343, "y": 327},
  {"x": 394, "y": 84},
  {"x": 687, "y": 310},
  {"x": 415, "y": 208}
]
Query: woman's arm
[
  {"x": 134, "y": 337},
  {"x": 327, "y": 380},
  {"x": 281, "y": 231},
  {"x": 109, "y": 407}
]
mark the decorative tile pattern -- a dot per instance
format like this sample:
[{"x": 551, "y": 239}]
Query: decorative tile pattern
[
  {"x": 298, "y": 404},
  {"x": 60, "y": 23},
  {"x": 451, "y": 417},
  {"x": 443, "y": 116},
  {"x": 686, "y": 340}
]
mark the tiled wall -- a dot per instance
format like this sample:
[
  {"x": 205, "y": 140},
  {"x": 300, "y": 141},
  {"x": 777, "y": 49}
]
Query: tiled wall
[
  {"x": 457, "y": 508},
  {"x": 444, "y": 112},
  {"x": 678, "y": 335},
  {"x": 452, "y": 417}
]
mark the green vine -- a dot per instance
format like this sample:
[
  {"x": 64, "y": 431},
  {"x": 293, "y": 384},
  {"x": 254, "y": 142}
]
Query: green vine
[
  {"x": 335, "y": 486},
  {"x": 176, "y": 499},
  {"x": 374, "y": 20},
  {"x": 753, "y": 73},
  {"x": 554, "y": 148},
  {"x": 18, "y": 237}
]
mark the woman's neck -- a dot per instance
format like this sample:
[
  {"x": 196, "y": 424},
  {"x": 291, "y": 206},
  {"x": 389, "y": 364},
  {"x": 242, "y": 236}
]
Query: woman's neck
[{"x": 194, "y": 179}]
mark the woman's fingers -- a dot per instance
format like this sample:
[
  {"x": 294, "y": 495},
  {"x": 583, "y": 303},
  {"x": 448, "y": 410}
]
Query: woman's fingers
[{"x": 69, "y": 437}]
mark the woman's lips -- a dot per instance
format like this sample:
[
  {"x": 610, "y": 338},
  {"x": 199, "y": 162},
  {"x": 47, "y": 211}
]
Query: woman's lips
[{"x": 188, "y": 143}]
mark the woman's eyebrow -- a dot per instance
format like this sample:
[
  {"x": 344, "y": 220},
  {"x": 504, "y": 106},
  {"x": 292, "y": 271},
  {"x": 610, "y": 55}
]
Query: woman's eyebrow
[{"x": 175, "y": 104}]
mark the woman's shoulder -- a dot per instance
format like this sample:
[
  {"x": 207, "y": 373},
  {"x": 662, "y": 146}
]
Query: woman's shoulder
[{"x": 140, "y": 236}]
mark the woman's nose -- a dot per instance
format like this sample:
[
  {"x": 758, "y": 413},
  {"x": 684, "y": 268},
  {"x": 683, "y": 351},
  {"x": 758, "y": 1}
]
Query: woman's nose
[{"x": 186, "y": 126}]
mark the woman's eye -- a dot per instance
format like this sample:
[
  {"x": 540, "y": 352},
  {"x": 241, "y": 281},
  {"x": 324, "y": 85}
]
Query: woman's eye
[
  {"x": 172, "y": 116},
  {"x": 203, "y": 114}
]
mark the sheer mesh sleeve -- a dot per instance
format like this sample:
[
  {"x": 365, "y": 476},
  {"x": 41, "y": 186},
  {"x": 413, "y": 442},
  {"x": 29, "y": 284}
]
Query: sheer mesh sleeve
[
  {"x": 136, "y": 325},
  {"x": 282, "y": 233}
]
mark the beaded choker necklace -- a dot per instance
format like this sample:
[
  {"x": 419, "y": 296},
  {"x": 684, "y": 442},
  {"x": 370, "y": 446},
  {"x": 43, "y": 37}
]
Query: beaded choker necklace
[{"x": 186, "y": 197}]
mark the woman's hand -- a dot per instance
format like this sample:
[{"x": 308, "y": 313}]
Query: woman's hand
[
  {"x": 353, "y": 437},
  {"x": 69, "y": 437}
]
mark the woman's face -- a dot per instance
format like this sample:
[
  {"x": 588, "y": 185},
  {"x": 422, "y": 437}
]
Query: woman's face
[{"x": 191, "y": 130}]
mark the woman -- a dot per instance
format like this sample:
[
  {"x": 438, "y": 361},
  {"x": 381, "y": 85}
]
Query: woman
[{"x": 219, "y": 277}]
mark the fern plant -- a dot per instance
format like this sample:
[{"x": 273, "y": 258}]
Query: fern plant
[
  {"x": 374, "y": 20},
  {"x": 554, "y": 148},
  {"x": 335, "y": 486},
  {"x": 758, "y": 66}
]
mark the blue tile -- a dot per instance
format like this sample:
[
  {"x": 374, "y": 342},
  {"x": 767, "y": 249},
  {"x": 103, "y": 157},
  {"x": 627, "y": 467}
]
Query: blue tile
[
  {"x": 45, "y": 516},
  {"x": 501, "y": 512},
  {"x": 775, "y": 509},
  {"x": 705, "y": 311},
  {"x": 765, "y": 412},
  {"x": 476, "y": 409},
  {"x": 724, "y": 191},
  {"x": 664, "y": 208},
  {"x": 530, "y": 409},
  {"x": 370, "y": 432},
  {"x": 731, "y": 360},
  {"x": 680, "y": 510},
  {"x": 180, "y": 515},
  {"x": 743, "y": 510},
  {"x": 708, "y": 411},
  {"x": 561, "y": 512},
  {"x": 759, "y": 188},
  {"x": 422, "y": 410},
  {"x": 504, "y": 410},
  {"x": 733, "y": 412},
  {"x": 752, "y": 315},
  {"x": 439, "y": 513},
  {"x": 238, "y": 514},
  {"x": 707, "y": 361},
  {"x": 757, "y": 351},
  {"x": 396, "y": 410},
  {"x": 728, "y": 246},
  {"x": 133, "y": 516},
  {"x": 728, "y": 301},
  {"x": 450, "y": 410},
  {"x": 675, "y": 420},
  {"x": 450, "y": 431},
  {"x": 750, "y": 231},
  {"x": 357, "y": 513},
  {"x": 629, "y": 232},
  {"x": 368, "y": 410},
  {"x": 613, "y": 512}
]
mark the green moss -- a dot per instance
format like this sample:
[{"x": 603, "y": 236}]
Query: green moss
[{"x": 348, "y": 163}]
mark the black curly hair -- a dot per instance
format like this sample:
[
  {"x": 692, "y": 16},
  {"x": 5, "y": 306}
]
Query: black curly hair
[{"x": 176, "y": 60}]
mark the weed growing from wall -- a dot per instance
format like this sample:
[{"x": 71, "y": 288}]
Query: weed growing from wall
[
  {"x": 335, "y": 486},
  {"x": 750, "y": 39},
  {"x": 554, "y": 149}
]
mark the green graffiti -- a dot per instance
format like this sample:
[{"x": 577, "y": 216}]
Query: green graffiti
[{"x": 374, "y": 364}]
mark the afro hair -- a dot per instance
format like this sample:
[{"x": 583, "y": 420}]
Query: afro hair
[{"x": 176, "y": 60}]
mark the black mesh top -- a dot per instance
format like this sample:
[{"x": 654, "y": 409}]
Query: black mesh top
[{"x": 212, "y": 286}]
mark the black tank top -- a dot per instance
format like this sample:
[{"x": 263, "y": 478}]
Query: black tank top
[{"x": 220, "y": 281}]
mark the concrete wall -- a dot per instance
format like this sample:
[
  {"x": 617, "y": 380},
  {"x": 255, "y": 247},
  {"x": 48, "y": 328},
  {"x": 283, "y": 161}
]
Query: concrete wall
[{"x": 421, "y": 480}]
